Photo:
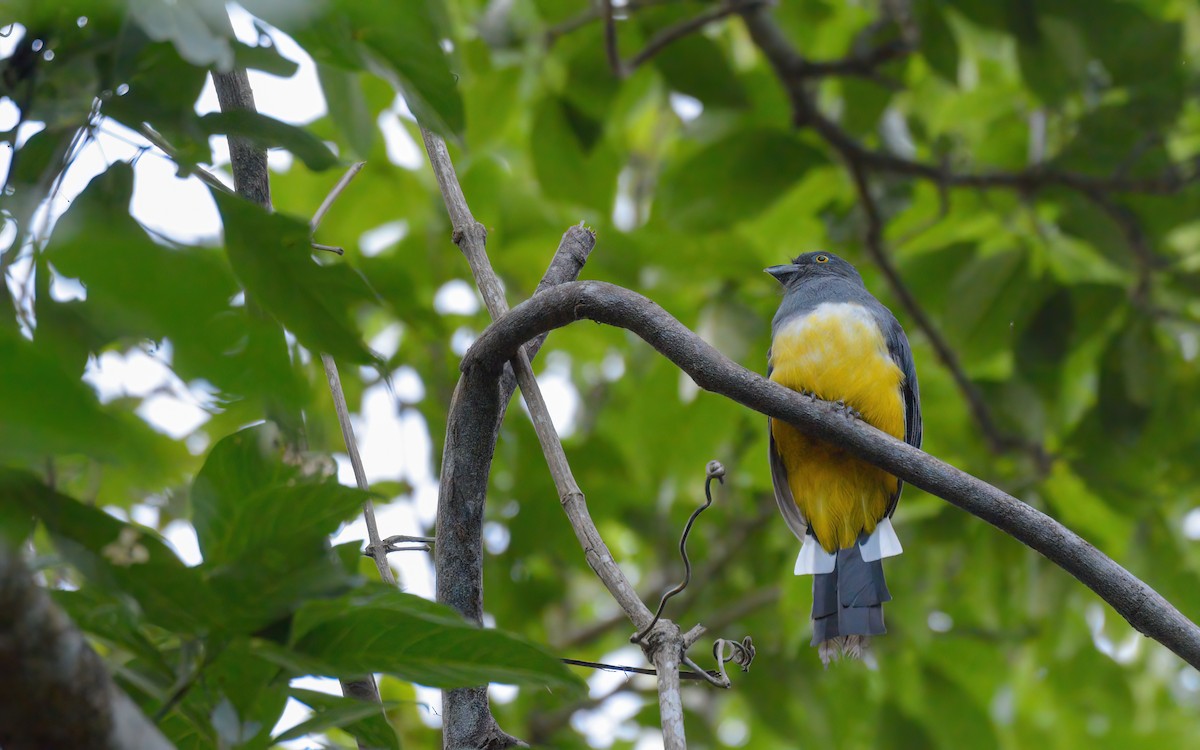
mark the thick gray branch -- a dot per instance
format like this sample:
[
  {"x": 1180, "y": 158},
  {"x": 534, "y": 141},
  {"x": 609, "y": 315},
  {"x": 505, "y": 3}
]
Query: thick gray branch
[
  {"x": 55, "y": 691},
  {"x": 1142, "y": 606}
]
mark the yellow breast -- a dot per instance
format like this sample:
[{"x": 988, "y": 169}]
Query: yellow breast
[{"x": 838, "y": 353}]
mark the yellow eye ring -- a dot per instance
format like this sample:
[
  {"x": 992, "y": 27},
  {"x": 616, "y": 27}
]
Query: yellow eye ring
[{"x": 822, "y": 258}]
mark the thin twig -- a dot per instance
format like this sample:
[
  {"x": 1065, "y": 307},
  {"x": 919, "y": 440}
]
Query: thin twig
[
  {"x": 593, "y": 13},
  {"x": 1144, "y": 259},
  {"x": 610, "y": 39},
  {"x": 997, "y": 440},
  {"x": 375, "y": 547},
  {"x": 328, "y": 248},
  {"x": 664, "y": 647},
  {"x": 674, "y": 33},
  {"x": 859, "y": 160},
  {"x": 334, "y": 194},
  {"x": 699, "y": 674},
  {"x": 784, "y": 60},
  {"x": 471, "y": 238},
  {"x": 714, "y": 470},
  {"x": 156, "y": 140},
  {"x": 252, "y": 181}
]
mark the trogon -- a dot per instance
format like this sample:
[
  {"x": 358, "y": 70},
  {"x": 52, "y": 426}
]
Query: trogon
[{"x": 832, "y": 340}]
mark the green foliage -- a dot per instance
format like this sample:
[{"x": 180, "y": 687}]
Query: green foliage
[{"x": 1075, "y": 320}]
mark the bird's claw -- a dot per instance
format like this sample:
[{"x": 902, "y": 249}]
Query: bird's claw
[{"x": 846, "y": 410}]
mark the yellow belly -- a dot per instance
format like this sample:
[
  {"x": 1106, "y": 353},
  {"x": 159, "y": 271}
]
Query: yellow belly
[{"x": 838, "y": 353}]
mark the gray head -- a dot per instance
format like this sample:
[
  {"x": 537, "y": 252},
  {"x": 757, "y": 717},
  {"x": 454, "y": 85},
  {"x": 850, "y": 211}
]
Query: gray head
[{"x": 813, "y": 266}]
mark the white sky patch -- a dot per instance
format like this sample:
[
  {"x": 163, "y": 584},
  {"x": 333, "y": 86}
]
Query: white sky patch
[
  {"x": 687, "y": 108},
  {"x": 181, "y": 210},
  {"x": 456, "y": 297},
  {"x": 503, "y": 694},
  {"x": 461, "y": 340},
  {"x": 182, "y": 536},
  {"x": 649, "y": 740},
  {"x": 13, "y": 33},
  {"x": 408, "y": 385},
  {"x": 171, "y": 415},
  {"x": 63, "y": 288},
  {"x": 10, "y": 115},
  {"x": 280, "y": 161},
  {"x": 297, "y": 100},
  {"x": 135, "y": 373},
  {"x": 1191, "y": 524},
  {"x": 733, "y": 732},
  {"x": 387, "y": 341},
  {"x": 295, "y": 712},
  {"x": 562, "y": 398},
  {"x": 610, "y": 721},
  {"x": 374, "y": 241},
  {"x": 402, "y": 150},
  {"x": 940, "y": 622},
  {"x": 613, "y": 366},
  {"x": 146, "y": 515},
  {"x": 624, "y": 214},
  {"x": 496, "y": 537}
]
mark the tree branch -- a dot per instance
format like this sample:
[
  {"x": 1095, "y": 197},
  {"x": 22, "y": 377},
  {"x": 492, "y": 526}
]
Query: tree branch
[
  {"x": 665, "y": 37},
  {"x": 467, "y": 453},
  {"x": 252, "y": 181},
  {"x": 1144, "y": 608},
  {"x": 791, "y": 68},
  {"x": 996, "y": 438},
  {"x": 785, "y": 60},
  {"x": 56, "y": 691}
]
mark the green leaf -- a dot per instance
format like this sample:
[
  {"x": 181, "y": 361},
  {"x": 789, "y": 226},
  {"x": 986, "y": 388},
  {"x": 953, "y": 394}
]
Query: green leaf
[
  {"x": 263, "y": 529},
  {"x": 268, "y": 59},
  {"x": 118, "y": 557},
  {"x": 268, "y": 132},
  {"x": 199, "y": 29},
  {"x": 697, "y": 66},
  {"x": 989, "y": 302},
  {"x": 1084, "y": 512},
  {"x": 735, "y": 178},
  {"x": 380, "y": 629},
  {"x": 571, "y": 162},
  {"x": 939, "y": 45},
  {"x": 242, "y": 464},
  {"x": 365, "y": 721},
  {"x": 398, "y": 41},
  {"x": 47, "y": 411},
  {"x": 272, "y": 256},
  {"x": 348, "y": 108},
  {"x": 174, "y": 292}
]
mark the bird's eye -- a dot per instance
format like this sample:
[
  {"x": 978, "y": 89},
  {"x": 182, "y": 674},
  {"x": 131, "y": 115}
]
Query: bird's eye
[{"x": 822, "y": 259}]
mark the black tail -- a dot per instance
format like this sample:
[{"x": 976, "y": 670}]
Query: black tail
[{"x": 848, "y": 604}]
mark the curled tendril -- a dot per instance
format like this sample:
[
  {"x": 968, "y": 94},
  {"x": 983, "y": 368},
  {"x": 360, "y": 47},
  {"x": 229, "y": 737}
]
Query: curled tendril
[{"x": 713, "y": 470}]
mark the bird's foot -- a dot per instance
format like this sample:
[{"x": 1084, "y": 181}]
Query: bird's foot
[
  {"x": 809, "y": 395},
  {"x": 846, "y": 410}
]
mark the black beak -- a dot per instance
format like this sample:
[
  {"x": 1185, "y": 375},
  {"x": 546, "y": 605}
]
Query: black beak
[{"x": 781, "y": 273}]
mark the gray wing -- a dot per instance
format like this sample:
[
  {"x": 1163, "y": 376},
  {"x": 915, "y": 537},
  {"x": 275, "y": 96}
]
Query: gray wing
[
  {"x": 901, "y": 354},
  {"x": 783, "y": 493}
]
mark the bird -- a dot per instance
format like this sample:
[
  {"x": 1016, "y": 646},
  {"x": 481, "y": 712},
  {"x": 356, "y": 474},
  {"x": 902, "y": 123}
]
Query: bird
[{"x": 832, "y": 340}]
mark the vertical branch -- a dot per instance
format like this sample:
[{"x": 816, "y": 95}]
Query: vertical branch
[
  {"x": 610, "y": 39},
  {"x": 375, "y": 546},
  {"x": 252, "y": 181},
  {"x": 471, "y": 237},
  {"x": 665, "y": 645}
]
